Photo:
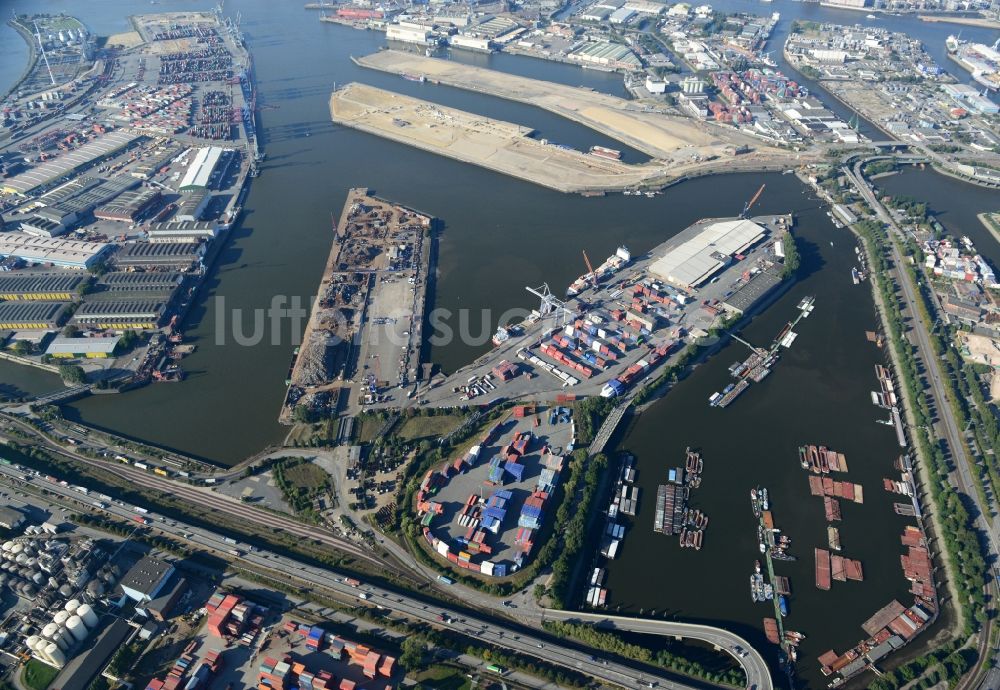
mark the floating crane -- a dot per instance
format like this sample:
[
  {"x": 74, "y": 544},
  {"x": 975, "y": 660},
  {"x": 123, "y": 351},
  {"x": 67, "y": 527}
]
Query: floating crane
[
  {"x": 749, "y": 204},
  {"x": 590, "y": 268}
]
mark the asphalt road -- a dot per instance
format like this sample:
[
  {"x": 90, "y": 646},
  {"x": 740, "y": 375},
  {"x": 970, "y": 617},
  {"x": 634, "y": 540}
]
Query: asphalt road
[{"x": 480, "y": 629}]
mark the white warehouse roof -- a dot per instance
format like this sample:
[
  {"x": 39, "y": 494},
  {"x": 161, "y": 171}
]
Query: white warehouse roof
[
  {"x": 694, "y": 261},
  {"x": 200, "y": 171},
  {"x": 78, "y": 346},
  {"x": 70, "y": 253}
]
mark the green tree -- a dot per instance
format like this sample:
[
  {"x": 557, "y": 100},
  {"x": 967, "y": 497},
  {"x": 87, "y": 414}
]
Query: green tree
[
  {"x": 413, "y": 652},
  {"x": 72, "y": 373},
  {"x": 70, "y": 331},
  {"x": 22, "y": 348}
]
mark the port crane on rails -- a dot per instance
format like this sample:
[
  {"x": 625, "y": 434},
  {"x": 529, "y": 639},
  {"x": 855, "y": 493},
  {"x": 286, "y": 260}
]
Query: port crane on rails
[
  {"x": 590, "y": 268},
  {"x": 552, "y": 304},
  {"x": 746, "y": 209}
]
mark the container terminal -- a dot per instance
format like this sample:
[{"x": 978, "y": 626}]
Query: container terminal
[
  {"x": 365, "y": 327},
  {"x": 628, "y": 318},
  {"x": 134, "y": 169}
]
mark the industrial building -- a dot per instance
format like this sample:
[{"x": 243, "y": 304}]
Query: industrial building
[
  {"x": 146, "y": 579},
  {"x": 192, "y": 204},
  {"x": 699, "y": 258},
  {"x": 408, "y": 34},
  {"x": 125, "y": 282},
  {"x": 606, "y": 54},
  {"x": 31, "y": 316},
  {"x": 42, "y": 227},
  {"x": 120, "y": 314},
  {"x": 83, "y": 348},
  {"x": 75, "y": 206},
  {"x": 46, "y": 250},
  {"x": 128, "y": 206},
  {"x": 10, "y": 518},
  {"x": 203, "y": 167},
  {"x": 65, "y": 164},
  {"x": 183, "y": 231},
  {"x": 53, "y": 287},
  {"x": 178, "y": 256}
]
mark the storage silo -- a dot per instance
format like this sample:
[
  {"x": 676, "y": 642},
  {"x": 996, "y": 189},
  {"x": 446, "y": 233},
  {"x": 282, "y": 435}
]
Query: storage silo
[
  {"x": 56, "y": 655},
  {"x": 61, "y": 617},
  {"x": 32, "y": 642},
  {"x": 40, "y": 651},
  {"x": 77, "y": 628},
  {"x": 72, "y": 605},
  {"x": 49, "y": 631},
  {"x": 86, "y": 612}
]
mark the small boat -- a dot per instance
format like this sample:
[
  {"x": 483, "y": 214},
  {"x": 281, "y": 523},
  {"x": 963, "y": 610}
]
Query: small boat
[
  {"x": 783, "y": 605},
  {"x": 763, "y": 500},
  {"x": 756, "y": 566},
  {"x": 870, "y": 16}
]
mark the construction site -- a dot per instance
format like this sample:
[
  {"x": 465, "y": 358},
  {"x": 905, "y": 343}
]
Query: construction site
[
  {"x": 365, "y": 326},
  {"x": 497, "y": 145},
  {"x": 665, "y": 136}
]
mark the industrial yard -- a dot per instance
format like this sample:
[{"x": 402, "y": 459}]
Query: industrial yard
[
  {"x": 366, "y": 324},
  {"x": 467, "y": 505},
  {"x": 135, "y": 173},
  {"x": 620, "y": 323}
]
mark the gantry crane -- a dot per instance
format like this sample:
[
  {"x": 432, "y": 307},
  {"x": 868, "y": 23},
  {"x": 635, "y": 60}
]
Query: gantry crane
[{"x": 749, "y": 204}]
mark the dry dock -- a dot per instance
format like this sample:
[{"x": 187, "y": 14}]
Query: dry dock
[
  {"x": 672, "y": 138},
  {"x": 494, "y": 144}
]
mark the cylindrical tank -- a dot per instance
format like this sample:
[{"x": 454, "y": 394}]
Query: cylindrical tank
[
  {"x": 72, "y": 605},
  {"x": 95, "y": 588},
  {"x": 77, "y": 628},
  {"x": 41, "y": 653},
  {"x": 49, "y": 631},
  {"x": 21, "y": 559},
  {"x": 86, "y": 612},
  {"x": 32, "y": 642},
  {"x": 38, "y": 578},
  {"x": 7, "y": 545},
  {"x": 56, "y": 655},
  {"x": 29, "y": 591},
  {"x": 62, "y": 638},
  {"x": 17, "y": 548},
  {"x": 65, "y": 590},
  {"x": 61, "y": 617}
]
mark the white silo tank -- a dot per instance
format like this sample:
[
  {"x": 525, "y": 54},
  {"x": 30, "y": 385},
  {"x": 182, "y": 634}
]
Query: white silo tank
[
  {"x": 56, "y": 655},
  {"x": 17, "y": 548},
  {"x": 72, "y": 605},
  {"x": 41, "y": 653},
  {"x": 77, "y": 628},
  {"x": 32, "y": 641},
  {"x": 49, "y": 631},
  {"x": 7, "y": 546},
  {"x": 86, "y": 612},
  {"x": 61, "y": 617}
]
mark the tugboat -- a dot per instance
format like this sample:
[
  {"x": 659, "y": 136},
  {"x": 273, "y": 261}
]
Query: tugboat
[{"x": 501, "y": 336}]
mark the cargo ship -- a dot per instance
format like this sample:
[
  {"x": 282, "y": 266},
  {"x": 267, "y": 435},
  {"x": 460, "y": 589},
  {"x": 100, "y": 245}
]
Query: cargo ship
[
  {"x": 604, "y": 152},
  {"x": 613, "y": 263}
]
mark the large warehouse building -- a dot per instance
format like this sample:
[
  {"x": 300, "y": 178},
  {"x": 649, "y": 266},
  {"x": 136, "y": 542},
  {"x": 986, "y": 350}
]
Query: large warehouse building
[
  {"x": 49, "y": 250},
  {"x": 696, "y": 260},
  {"x": 28, "y": 316},
  {"x": 102, "y": 147},
  {"x": 45, "y": 287},
  {"x": 199, "y": 173}
]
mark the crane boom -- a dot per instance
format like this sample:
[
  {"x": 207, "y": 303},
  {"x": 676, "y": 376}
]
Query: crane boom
[
  {"x": 749, "y": 205},
  {"x": 590, "y": 268}
]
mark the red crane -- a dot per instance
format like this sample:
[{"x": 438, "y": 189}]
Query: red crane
[
  {"x": 749, "y": 204},
  {"x": 590, "y": 268}
]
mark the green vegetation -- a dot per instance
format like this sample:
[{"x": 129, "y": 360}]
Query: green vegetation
[
  {"x": 880, "y": 167},
  {"x": 301, "y": 482},
  {"x": 792, "y": 259},
  {"x": 589, "y": 414},
  {"x": 72, "y": 373},
  {"x": 810, "y": 72},
  {"x": 128, "y": 340},
  {"x": 416, "y": 428},
  {"x": 944, "y": 665},
  {"x": 303, "y": 414},
  {"x": 21, "y": 348},
  {"x": 38, "y": 675},
  {"x": 610, "y": 642},
  {"x": 914, "y": 208},
  {"x": 961, "y": 548},
  {"x": 414, "y": 647},
  {"x": 123, "y": 659},
  {"x": 442, "y": 677},
  {"x": 571, "y": 523}
]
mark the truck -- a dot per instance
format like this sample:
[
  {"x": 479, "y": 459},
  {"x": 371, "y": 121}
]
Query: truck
[
  {"x": 229, "y": 540},
  {"x": 446, "y": 580},
  {"x": 352, "y": 582},
  {"x": 496, "y": 669},
  {"x": 141, "y": 520},
  {"x": 139, "y": 509},
  {"x": 364, "y": 595}
]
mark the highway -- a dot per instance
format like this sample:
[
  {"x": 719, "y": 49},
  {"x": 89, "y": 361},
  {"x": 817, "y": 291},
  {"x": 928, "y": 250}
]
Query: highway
[
  {"x": 755, "y": 667},
  {"x": 946, "y": 422},
  {"x": 441, "y": 616}
]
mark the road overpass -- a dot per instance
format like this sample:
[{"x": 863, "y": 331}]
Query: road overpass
[
  {"x": 499, "y": 633},
  {"x": 205, "y": 498}
]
